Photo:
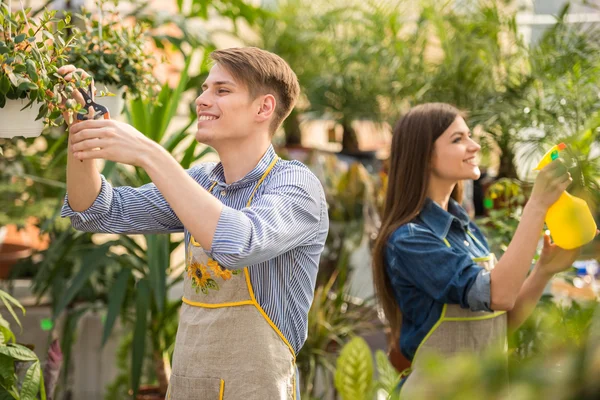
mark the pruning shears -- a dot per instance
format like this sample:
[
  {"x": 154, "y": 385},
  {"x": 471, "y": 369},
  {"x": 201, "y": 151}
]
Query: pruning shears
[{"x": 99, "y": 110}]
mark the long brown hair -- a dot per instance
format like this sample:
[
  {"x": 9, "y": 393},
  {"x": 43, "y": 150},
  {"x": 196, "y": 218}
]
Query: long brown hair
[{"x": 411, "y": 153}]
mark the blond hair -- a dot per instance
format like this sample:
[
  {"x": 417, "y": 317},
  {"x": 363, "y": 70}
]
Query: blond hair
[{"x": 263, "y": 73}]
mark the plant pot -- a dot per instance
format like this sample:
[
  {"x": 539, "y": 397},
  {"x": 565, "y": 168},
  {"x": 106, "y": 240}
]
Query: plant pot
[
  {"x": 113, "y": 103},
  {"x": 16, "y": 244},
  {"x": 20, "y": 123},
  {"x": 149, "y": 393}
]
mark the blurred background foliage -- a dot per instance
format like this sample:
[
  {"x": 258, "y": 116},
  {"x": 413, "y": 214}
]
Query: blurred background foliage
[{"x": 356, "y": 61}]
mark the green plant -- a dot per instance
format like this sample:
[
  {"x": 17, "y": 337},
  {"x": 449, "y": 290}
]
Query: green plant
[
  {"x": 31, "y": 51},
  {"x": 20, "y": 370},
  {"x": 332, "y": 320},
  {"x": 115, "y": 53},
  {"x": 355, "y": 376}
]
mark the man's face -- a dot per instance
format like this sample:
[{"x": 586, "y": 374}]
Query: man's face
[{"x": 225, "y": 110}]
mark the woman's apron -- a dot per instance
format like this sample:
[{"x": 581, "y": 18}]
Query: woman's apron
[
  {"x": 226, "y": 346},
  {"x": 458, "y": 330}
]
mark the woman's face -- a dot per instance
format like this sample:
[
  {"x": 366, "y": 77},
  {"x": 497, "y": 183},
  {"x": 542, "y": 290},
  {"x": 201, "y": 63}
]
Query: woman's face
[{"x": 455, "y": 154}]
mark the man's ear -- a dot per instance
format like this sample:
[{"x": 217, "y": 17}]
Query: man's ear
[{"x": 266, "y": 107}]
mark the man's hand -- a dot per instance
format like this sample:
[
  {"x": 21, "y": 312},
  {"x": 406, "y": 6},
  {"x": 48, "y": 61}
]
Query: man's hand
[{"x": 110, "y": 140}]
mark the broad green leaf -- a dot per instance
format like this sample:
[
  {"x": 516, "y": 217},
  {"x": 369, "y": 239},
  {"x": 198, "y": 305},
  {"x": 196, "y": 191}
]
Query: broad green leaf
[
  {"x": 7, "y": 369},
  {"x": 142, "y": 299},
  {"x": 388, "y": 376},
  {"x": 188, "y": 156},
  {"x": 11, "y": 311},
  {"x": 115, "y": 300},
  {"x": 91, "y": 261},
  {"x": 18, "y": 352},
  {"x": 31, "y": 382},
  {"x": 158, "y": 262},
  {"x": 7, "y": 334},
  {"x": 20, "y": 38},
  {"x": 354, "y": 370}
]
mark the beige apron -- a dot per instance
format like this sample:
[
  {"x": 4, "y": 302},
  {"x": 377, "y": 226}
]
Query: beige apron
[
  {"x": 226, "y": 346},
  {"x": 458, "y": 330}
]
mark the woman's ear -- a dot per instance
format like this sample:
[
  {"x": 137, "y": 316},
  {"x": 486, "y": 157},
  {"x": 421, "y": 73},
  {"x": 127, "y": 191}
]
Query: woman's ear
[{"x": 266, "y": 107}]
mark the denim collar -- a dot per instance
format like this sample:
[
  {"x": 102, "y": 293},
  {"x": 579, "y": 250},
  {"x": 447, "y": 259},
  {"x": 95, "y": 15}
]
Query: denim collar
[
  {"x": 218, "y": 174},
  {"x": 440, "y": 220}
]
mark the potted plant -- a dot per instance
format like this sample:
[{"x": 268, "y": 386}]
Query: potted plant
[
  {"x": 31, "y": 50},
  {"x": 20, "y": 371},
  {"x": 115, "y": 54}
]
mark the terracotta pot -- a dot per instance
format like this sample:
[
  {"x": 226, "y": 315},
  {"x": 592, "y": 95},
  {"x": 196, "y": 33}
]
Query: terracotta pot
[
  {"x": 149, "y": 392},
  {"x": 16, "y": 244}
]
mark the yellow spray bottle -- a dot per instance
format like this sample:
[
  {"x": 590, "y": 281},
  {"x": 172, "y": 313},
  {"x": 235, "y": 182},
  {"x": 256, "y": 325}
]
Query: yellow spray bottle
[{"x": 569, "y": 220}]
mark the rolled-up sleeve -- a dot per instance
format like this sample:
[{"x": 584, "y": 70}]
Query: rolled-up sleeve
[
  {"x": 288, "y": 214},
  {"x": 421, "y": 259},
  {"x": 125, "y": 210}
]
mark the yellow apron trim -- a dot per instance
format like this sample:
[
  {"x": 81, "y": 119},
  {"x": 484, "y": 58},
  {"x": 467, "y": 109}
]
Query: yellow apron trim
[
  {"x": 265, "y": 316},
  {"x": 269, "y": 168},
  {"x": 217, "y": 305},
  {"x": 475, "y": 239},
  {"x": 437, "y": 324},
  {"x": 294, "y": 384},
  {"x": 262, "y": 178},
  {"x": 443, "y": 318},
  {"x": 222, "y": 390},
  {"x": 446, "y": 242},
  {"x": 492, "y": 315},
  {"x": 481, "y": 259}
]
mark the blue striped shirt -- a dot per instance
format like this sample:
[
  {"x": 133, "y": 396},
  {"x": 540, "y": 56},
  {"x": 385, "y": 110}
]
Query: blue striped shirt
[{"x": 280, "y": 236}]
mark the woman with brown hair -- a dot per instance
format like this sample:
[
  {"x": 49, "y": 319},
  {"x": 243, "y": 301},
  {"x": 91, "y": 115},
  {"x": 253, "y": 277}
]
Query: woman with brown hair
[{"x": 434, "y": 274}]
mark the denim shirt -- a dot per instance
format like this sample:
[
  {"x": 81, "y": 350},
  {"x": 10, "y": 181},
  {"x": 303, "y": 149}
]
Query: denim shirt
[{"x": 425, "y": 273}]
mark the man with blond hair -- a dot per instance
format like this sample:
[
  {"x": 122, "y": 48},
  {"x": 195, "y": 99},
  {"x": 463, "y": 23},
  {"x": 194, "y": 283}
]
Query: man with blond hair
[{"x": 255, "y": 227}]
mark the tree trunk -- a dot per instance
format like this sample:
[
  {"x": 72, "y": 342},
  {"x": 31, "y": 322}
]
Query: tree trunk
[
  {"x": 507, "y": 167},
  {"x": 349, "y": 138},
  {"x": 291, "y": 127}
]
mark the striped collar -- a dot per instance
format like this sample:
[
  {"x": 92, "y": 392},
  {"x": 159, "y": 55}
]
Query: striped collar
[{"x": 218, "y": 174}]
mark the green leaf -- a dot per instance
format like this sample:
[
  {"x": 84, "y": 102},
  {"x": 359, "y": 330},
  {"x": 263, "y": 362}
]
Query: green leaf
[
  {"x": 142, "y": 300},
  {"x": 7, "y": 369},
  {"x": 18, "y": 352},
  {"x": 4, "y": 50},
  {"x": 31, "y": 382},
  {"x": 4, "y": 84},
  {"x": 354, "y": 370},
  {"x": 115, "y": 300},
  {"x": 158, "y": 262},
  {"x": 4, "y": 296},
  {"x": 91, "y": 261},
  {"x": 7, "y": 334},
  {"x": 43, "y": 111},
  {"x": 31, "y": 70},
  {"x": 20, "y": 38},
  {"x": 388, "y": 376},
  {"x": 61, "y": 26},
  {"x": 26, "y": 86}
]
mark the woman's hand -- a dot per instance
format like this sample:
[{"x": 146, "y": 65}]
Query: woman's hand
[
  {"x": 67, "y": 72},
  {"x": 551, "y": 182},
  {"x": 554, "y": 259}
]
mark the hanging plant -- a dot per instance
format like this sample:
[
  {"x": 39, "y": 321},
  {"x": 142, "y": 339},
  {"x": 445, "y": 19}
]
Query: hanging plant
[
  {"x": 31, "y": 51},
  {"x": 116, "y": 55}
]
